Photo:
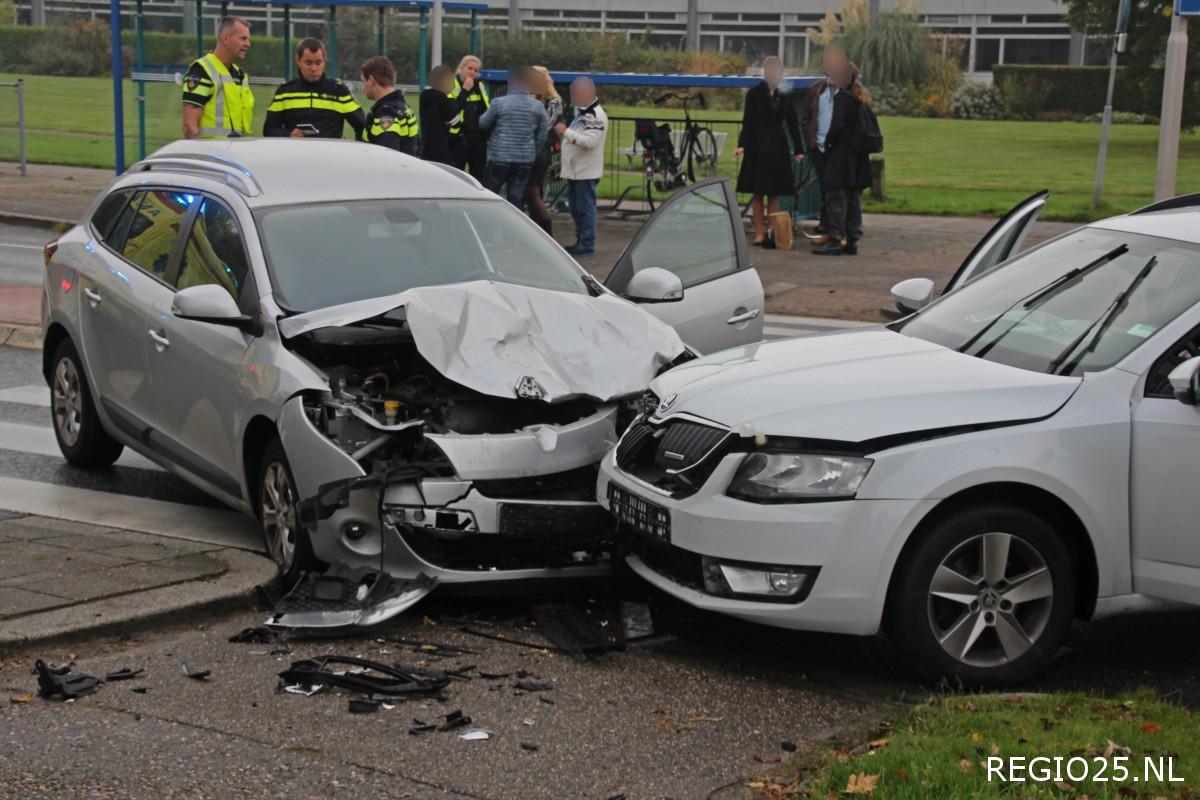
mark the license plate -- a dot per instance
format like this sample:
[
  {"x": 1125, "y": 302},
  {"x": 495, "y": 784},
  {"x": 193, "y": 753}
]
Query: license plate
[{"x": 641, "y": 515}]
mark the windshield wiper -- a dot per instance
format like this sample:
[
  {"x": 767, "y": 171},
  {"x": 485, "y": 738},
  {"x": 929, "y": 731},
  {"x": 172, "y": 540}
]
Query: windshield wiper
[
  {"x": 1038, "y": 296},
  {"x": 1100, "y": 325}
]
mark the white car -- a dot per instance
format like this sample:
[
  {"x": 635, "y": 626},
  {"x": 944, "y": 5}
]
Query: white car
[{"x": 968, "y": 479}]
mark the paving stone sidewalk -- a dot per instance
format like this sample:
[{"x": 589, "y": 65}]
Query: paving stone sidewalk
[{"x": 61, "y": 578}]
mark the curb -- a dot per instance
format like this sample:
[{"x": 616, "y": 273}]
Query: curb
[
  {"x": 26, "y": 337},
  {"x": 236, "y": 588},
  {"x": 35, "y": 221}
]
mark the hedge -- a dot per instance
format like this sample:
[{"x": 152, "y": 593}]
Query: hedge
[{"x": 1082, "y": 90}]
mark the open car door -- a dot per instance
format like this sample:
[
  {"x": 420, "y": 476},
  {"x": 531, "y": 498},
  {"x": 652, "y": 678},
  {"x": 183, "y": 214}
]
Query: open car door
[
  {"x": 690, "y": 266},
  {"x": 1002, "y": 242}
]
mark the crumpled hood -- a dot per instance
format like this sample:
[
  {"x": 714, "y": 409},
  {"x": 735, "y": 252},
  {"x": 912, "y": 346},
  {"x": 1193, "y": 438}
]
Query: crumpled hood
[
  {"x": 855, "y": 386},
  {"x": 497, "y": 338}
]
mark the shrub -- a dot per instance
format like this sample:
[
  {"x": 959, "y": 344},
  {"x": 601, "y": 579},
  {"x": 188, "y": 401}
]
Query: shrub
[
  {"x": 1024, "y": 99},
  {"x": 974, "y": 100},
  {"x": 81, "y": 49},
  {"x": 892, "y": 48},
  {"x": 1082, "y": 89},
  {"x": 1124, "y": 118}
]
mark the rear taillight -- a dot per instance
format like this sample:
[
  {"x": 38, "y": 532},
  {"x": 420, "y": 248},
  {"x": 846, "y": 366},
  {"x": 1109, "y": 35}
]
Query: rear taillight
[{"x": 48, "y": 250}]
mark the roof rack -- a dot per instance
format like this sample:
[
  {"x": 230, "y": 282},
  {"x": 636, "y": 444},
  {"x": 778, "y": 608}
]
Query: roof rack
[
  {"x": 205, "y": 166},
  {"x": 1182, "y": 201}
]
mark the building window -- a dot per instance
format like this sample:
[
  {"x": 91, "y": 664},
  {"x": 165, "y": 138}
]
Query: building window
[
  {"x": 755, "y": 48},
  {"x": 1037, "y": 51},
  {"x": 987, "y": 54}
]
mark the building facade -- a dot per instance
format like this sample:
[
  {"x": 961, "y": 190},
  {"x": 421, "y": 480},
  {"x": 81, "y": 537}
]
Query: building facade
[{"x": 982, "y": 32}]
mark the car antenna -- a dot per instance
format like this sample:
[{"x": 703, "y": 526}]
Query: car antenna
[
  {"x": 1101, "y": 324},
  {"x": 1033, "y": 299}
]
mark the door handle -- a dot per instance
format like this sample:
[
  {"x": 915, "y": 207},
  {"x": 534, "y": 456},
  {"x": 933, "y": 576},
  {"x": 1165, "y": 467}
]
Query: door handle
[
  {"x": 160, "y": 342},
  {"x": 741, "y": 315},
  {"x": 92, "y": 295}
]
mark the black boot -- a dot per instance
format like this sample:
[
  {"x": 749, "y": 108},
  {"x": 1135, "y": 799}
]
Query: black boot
[
  {"x": 851, "y": 248},
  {"x": 831, "y": 248}
]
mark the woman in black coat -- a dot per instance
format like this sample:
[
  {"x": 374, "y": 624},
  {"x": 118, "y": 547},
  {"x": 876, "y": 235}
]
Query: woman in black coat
[
  {"x": 847, "y": 171},
  {"x": 763, "y": 145}
]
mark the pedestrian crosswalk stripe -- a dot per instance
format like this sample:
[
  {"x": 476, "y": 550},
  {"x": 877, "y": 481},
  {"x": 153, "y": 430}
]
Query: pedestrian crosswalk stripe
[
  {"x": 33, "y": 395},
  {"x": 40, "y": 441},
  {"x": 220, "y": 527}
]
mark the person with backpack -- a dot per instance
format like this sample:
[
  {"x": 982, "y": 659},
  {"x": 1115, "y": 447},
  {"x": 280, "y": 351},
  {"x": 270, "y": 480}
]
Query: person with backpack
[{"x": 853, "y": 136}]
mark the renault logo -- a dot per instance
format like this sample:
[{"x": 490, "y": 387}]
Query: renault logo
[{"x": 529, "y": 389}]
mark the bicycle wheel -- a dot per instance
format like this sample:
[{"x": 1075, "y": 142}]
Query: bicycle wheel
[{"x": 704, "y": 154}]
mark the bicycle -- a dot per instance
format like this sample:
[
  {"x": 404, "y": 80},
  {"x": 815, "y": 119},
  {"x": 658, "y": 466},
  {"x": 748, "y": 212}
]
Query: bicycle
[{"x": 698, "y": 152}]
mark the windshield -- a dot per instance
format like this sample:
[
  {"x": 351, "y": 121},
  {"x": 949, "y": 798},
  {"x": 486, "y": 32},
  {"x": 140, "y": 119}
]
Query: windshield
[
  {"x": 1079, "y": 303},
  {"x": 324, "y": 254}
]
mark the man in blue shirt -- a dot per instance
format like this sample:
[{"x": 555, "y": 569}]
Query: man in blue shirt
[
  {"x": 818, "y": 116},
  {"x": 518, "y": 125}
]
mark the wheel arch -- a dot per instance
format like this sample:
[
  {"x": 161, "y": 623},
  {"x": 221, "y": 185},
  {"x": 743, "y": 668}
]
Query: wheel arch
[
  {"x": 1054, "y": 509},
  {"x": 55, "y": 334},
  {"x": 260, "y": 430}
]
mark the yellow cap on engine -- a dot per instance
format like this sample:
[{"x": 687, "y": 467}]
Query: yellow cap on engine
[{"x": 391, "y": 406}]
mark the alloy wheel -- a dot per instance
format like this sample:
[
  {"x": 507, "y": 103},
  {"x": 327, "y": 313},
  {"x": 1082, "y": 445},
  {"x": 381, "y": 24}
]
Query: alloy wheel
[
  {"x": 990, "y": 599},
  {"x": 67, "y": 402},
  {"x": 279, "y": 519}
]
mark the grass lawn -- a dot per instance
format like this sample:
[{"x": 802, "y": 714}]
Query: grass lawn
[
  {"x": 933, "y": 166},
  {"x": 941, "y": 750}
]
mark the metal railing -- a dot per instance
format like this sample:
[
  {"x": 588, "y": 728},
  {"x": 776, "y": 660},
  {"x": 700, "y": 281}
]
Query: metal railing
[{"x": 19, "y": 86}]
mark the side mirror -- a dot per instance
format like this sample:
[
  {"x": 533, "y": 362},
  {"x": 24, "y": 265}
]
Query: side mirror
[
  {"x": 654, "y": 285},
  {"x": 913, "y": 294},
  {"x": 1185, "y": 381},
  {"x": 212, "y": 304}
]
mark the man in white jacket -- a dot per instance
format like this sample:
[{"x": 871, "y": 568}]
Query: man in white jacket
[{"x": 583, "y": 162}]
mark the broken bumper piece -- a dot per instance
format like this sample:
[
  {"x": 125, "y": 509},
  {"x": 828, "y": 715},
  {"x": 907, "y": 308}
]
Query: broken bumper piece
[{"x": 347, "y": 598}]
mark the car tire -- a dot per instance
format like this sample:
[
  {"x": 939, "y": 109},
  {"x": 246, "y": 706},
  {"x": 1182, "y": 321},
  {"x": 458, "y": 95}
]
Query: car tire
[
  {"x": 81, "y": 438},
  {"x": 984, "y": 598},
  {"x": 277, "y": 508}
]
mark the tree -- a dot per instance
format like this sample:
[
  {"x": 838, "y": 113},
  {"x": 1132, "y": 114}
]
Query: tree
[{"x": 1149, "y": 25}]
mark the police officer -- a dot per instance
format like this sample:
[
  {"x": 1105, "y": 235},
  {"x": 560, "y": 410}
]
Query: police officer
[
  {"x": 391, "y": 122},
  {"x": 468, "y": 142},
  {"x": 313, "y": 104},
  {"x": 217, "y": 101}
]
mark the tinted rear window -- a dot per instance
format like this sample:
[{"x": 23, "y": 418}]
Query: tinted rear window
[{"x": 106, "y": 215}]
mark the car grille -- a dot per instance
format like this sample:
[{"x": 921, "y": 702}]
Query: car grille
[{"x": 677, "y": 457}]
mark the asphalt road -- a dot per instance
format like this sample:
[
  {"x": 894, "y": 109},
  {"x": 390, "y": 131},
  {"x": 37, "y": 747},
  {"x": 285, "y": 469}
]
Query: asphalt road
[{"x": 21, "y": 253}]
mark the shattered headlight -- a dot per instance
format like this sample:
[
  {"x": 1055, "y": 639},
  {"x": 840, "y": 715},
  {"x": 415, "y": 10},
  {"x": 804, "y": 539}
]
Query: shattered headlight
[{"x": 796, "y": 477}]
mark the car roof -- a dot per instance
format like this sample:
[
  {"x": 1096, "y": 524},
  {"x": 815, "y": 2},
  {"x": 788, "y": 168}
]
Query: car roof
[
  {"x": 1174, "y": 219},
  {"x": 284, "y": 170}
]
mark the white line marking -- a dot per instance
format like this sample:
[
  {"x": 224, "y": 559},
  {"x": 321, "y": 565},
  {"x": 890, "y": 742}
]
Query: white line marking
[
  {"x": 21, "y": 246},
  {"x": 814, "y": 322},
  {"x": 32, "y": 395},
  {"x": 172, "y": 520},
  {"x": 40, "y": 441}
]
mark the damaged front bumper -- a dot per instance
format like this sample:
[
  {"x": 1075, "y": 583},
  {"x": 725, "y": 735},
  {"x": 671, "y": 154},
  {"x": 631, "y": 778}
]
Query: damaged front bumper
[{"x": 517, "y": 506}]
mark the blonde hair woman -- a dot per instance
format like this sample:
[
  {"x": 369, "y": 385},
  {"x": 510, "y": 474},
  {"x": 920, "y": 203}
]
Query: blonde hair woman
[
  {"x": 467, "y": 142},
  {"x": 542, "y": 87}
]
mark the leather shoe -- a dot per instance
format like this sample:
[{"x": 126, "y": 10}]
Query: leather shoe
[
  {"x": 830, "y": 248},
  {"x": 850, "y": 248}
]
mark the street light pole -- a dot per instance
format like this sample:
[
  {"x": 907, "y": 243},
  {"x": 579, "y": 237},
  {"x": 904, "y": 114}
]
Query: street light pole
[
  {"x": 693, "y": 25},
  {"x": 1106, "y": 127},
  {"x": 435, "y": 34},
  {"x": 1172, "y": 108}
]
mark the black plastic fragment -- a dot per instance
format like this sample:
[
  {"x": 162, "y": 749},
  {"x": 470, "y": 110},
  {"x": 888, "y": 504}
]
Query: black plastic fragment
[
  {"x": 363, "y": 706},
  {"x": 532, "y": 686},
  {"x": 571, "y": 630},
  {"x": 259, "y": 635},
  {"x": 529, "y": 747},
  {"x": 372, "y": 677},
  {"x": 455, "y": 719},
  {"x": 66, "y": 685},
  {"x": 494, "y": 676},
  {"x": 788, "y": 747},
  {"x": 140, "y": 689},
  {"x": 420, "y": 727},
  {"x": 126, "y": 674},
  {"x": 196, "y": 674}
]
